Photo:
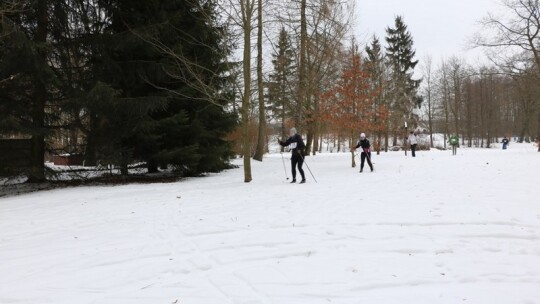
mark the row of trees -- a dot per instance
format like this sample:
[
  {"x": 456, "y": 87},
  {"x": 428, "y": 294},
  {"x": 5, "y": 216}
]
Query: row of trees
[
  {"x": 164, "y": 82},
  {"x": 479, "y": 103},
  {"x": 347, "y": 90},
  {"x": 343, "y": 91},
  {"x": 484, "y": 102}
]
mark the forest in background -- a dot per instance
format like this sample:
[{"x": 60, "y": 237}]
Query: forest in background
[{"x": 187, "y": 85}]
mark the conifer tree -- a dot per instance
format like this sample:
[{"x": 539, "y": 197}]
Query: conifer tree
[
  {"x": 376, "y": 67},
  {"x": 165, "y": 118},
  {"x": 400, "y": 55},
  {"x": 27, "y": 78},
  {"x": 282, "y": 80}
]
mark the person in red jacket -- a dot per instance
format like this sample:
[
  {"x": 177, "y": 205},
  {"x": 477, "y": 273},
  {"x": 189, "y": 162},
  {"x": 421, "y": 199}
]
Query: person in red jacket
[{"x": 366, "y": 152}]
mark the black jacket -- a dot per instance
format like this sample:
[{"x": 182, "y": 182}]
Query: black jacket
[
  {"x": 364, "y": 143},
  {"x": 296, "y": 144}
]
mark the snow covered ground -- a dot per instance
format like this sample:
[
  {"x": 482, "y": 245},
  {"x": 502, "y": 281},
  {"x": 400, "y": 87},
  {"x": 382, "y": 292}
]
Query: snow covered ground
[{"x": 432, "y": 229}]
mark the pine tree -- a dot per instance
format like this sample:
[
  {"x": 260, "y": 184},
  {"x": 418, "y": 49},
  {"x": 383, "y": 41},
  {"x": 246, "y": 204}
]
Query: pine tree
[
  {"x": 377, "y": 70},
  {"x": 27, "y": 79},
  {"x": 196, "y": 32},
  {"x": 163, "y": 117},
  {"x": 400, "y": 55},
  {"x": 282, "y": 80}
]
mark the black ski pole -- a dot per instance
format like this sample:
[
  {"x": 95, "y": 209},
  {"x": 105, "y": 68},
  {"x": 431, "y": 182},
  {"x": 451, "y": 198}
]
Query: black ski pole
[
  {"x": 308, "y": 167},
  {"x": 284, "y": 168}
]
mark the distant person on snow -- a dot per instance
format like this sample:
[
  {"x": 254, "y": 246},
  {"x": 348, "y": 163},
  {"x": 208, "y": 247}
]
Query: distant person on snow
[
  {"x": 454, "y": 142},
  {"x": 366, "y": 152},
  {"x": 413, "y": 142},
  {"x": 505, "y": 143},
  {"x": 297, "y": 146}
]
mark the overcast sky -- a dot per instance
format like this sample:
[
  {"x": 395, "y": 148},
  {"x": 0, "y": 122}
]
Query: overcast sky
[{"x": 440, "y": 28}]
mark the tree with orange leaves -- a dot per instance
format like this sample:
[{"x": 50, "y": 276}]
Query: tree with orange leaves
[{"x": 351, "y": 105}]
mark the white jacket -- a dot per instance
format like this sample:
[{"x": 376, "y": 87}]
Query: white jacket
[{"x": 412, "y": 139}]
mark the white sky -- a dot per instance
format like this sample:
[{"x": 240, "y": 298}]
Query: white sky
[{"x": 440, "y": 28}]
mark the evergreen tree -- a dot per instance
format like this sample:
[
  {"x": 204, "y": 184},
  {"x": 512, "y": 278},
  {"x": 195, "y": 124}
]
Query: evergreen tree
[
  {"x": 166, "y": 118},
  {"x": 27, "y": 78},
  {"x": 400, "y": 55},
  {"x": 281, "y": 80},
  {"x": 375, "y": 58},
  {"x": 377, "y": 71},
  {"x": 196, "y": 143}
]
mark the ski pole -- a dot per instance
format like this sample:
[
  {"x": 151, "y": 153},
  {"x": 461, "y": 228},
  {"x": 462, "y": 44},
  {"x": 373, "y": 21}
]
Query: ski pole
[
  {"x": 359, "y": 161},
  {"x": 284, "y": 168},
  {"x": 308, "y": 168}
]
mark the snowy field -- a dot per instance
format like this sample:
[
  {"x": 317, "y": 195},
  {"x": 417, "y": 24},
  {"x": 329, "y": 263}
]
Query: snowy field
[{"x": 432, "y": 229}]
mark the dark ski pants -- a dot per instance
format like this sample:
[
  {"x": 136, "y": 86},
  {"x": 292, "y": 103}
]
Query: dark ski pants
[
  {"x": 363, "y": 159},
  {"x": 413, "y": 150},
  {"x": 297, "y": 160},
  {"x": 454, "y": 149}
]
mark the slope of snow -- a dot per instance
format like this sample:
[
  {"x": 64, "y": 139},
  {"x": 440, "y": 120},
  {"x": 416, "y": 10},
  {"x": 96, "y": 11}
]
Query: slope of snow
[{"x": 432, "y": 229}]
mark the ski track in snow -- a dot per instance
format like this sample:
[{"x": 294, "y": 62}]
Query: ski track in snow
[{"x": 432, "y": 229}]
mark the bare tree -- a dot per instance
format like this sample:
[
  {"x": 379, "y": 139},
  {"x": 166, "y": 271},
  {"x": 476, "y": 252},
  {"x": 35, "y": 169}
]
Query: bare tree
[
  {"x": 320, "y": 28},
  {"x": 444, "y": 88},
  {"x": 427, "y": 66},
  {"x": 514, "y": 40},
  {"x": 457, "y": 72},
  {"x": 240, "y": 14},
  {"x": 247, "y": 8},
  {"x": 330, "y": 22},
  {"x": 261, "y": 138},
  {"x": 526, "y": 92}
]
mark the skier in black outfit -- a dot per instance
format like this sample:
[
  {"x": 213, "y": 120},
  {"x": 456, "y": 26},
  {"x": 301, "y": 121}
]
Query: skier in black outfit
[
  {"x": 505, "y": 143},
  {"x": 297, "y": 146},
  {"x": 366, "y": 152}
]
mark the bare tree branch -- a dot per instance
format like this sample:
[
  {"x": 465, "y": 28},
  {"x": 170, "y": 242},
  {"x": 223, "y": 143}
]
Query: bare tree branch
[{"x": 518, "y": 31}]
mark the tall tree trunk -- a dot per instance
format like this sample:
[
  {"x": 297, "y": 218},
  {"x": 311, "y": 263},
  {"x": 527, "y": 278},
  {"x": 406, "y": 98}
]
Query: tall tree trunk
[
  {"x": 302, "y": 77},
  {"x": 283, "y": 131},
  {"x": 538, "y": 128},
  {"x": 261, "y": 138},
  {"x": 387, "y": 135},
  {"x": 37, "y": 170},
  {"x": 430, "y": 117},
  {"x": 446, "y": 121},
  {"x": 405, "y": 139},
  {"x": 315, "y": 123},
  {"x": 124, "y": 163},
  {"x": 246, "y": 147},
  {"x": 315, "y": 138},
  {"x": 309, "y": 139}
]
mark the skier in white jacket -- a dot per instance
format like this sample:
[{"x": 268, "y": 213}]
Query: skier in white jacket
[{"x": 413, "y": 142}]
